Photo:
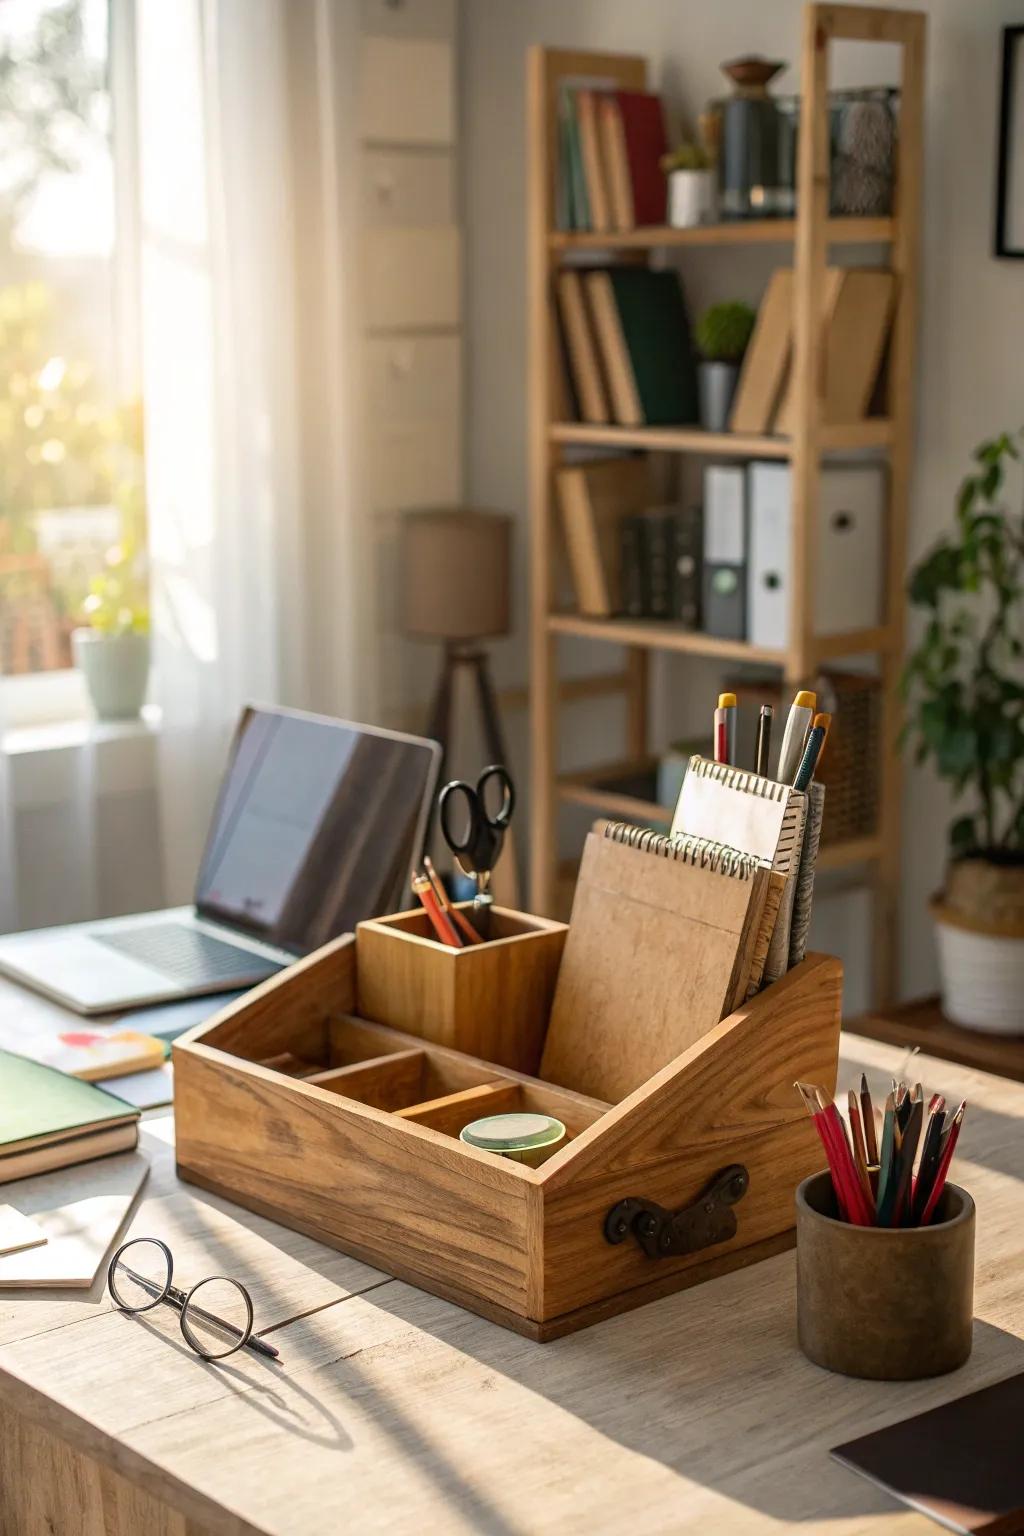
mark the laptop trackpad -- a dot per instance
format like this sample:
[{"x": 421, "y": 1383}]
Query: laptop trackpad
[{"x": 81, "y": 968}]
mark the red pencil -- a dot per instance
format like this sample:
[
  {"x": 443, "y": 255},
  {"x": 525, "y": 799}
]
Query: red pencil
[
  {"x": 824, "y": 1131},
  {"x": 945, "y": 1158},
  {"x": 721, "y": 737},
  {"x": 860, "y": 1213}
]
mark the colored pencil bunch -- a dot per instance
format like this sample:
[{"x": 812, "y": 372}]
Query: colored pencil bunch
[
  {"x": 450, "y": 926},
  {"x": 874, "y": 1179}
]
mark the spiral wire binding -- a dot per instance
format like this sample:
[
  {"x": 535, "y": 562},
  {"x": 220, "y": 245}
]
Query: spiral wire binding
[
  {"x": 683, "y": 848},
  {"x": 740, "y": 778}
]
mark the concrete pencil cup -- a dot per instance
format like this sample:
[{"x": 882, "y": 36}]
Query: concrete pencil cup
[{"x": 887, "y": 1303}]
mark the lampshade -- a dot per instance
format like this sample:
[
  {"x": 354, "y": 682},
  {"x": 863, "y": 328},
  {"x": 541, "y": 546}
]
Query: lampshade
[{"x": 455, "y": 573}]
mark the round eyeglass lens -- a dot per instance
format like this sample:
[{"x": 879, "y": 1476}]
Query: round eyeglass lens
[
  {"x": 217, "y": 1318},
  {"x": 139, "y": 1275}
]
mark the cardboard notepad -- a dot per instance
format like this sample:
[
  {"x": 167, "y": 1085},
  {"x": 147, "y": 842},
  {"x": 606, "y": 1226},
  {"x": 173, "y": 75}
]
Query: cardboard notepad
[
  {"x": 757, "y": 816},
  {"x": 660, "y": 948}
]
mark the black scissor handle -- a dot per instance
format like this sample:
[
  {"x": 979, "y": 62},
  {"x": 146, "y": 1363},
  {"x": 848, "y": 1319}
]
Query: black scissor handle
[
  {"x": 497, "y": 774},
  {"x": 447, "y": 804}
]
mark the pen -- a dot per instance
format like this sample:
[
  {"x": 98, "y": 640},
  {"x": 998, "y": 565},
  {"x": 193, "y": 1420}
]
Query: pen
[
  {"x": 801, "y": 713},
  {"x": 727, "y": 701},
  {"x": 809, "y": 760},
  {"x": 945, "y": 1158},
  {"x": 764, "y": 739},
  {"x": 721, "y": 735},
  {"x": 860, "y": 1156},
  {"x": 825, "y": 721}
]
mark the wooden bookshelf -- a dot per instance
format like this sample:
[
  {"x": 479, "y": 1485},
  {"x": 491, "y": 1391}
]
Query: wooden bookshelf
[
  {"x": 849, "y": 231},
  {"x": 811, "y": 234}
]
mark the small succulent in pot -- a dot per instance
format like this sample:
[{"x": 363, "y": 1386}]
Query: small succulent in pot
[
  {"x": 691, "y": 186},
  {"x": 723, "y": 334}
]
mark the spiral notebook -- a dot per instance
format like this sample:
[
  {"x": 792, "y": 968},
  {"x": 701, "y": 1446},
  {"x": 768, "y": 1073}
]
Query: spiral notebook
[
  {"x": 662, "y": 944},
  {"x": 756, "y": 815}
]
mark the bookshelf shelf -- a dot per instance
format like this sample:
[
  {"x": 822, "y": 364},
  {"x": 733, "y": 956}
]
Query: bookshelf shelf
[
  {"x": 846, "y": 231},
  {"x": 660, "y": 635},
  {"x": 811, "y": 235},
  {"x": 875, "y": 432}
]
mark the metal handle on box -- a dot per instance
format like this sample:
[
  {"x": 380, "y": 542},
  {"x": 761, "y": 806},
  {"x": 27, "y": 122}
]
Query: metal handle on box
[{"x": 664, "y": 1234}]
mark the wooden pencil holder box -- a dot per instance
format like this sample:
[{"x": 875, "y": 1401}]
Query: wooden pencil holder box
[
  {"x": 491, "y": 999},
  {"x": 293, "y": 1105}
]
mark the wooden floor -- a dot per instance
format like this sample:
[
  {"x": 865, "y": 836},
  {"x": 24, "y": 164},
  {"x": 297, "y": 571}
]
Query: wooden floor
[{"x": 392, "y": 1411}]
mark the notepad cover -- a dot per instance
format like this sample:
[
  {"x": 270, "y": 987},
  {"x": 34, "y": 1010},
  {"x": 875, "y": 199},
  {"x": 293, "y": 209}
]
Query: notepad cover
[
  {"x": 656, "y": 951},
  {"x": 960, "y": 1464},
  {"x": 757, "y": 815}
]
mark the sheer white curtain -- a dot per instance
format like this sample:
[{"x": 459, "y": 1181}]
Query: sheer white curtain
[{"x": 247, "y": 466}]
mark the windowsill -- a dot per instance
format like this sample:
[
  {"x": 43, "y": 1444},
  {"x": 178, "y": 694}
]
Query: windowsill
[{"x": 69, "y": 735}]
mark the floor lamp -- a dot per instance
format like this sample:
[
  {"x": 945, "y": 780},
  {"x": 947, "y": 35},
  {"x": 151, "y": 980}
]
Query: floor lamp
[{"x": 455, "y": 589}]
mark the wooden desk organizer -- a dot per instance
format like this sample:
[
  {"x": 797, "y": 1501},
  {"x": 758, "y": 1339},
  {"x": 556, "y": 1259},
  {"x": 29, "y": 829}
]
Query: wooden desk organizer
[{"x": 345, "y": 1129}]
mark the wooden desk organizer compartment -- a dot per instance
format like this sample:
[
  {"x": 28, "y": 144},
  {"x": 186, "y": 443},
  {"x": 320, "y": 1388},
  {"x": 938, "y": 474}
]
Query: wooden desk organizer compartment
[
  {"x": 491, "y": 1000},
  {"x": 346, "y": 1129}
]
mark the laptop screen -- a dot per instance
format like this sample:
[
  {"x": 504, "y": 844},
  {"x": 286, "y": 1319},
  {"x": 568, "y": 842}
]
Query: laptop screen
[{"x": 316, "y": 827}]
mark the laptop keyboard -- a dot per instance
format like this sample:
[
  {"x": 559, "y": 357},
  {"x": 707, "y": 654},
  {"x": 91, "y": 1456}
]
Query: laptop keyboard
[{"x": 186, "y": 955}]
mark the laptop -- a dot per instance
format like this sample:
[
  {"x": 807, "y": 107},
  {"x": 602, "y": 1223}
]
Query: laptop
[{"x": 317, "y": 825}]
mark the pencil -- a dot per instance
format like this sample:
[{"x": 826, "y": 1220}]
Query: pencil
[
  {"x": 867, "y": 1110},
  {"x": 860, "y": 1210},
  {"x": 764, "y": 739},
  {"x": 860, "y": 1156},
  {"x": 885, "y": 1160},
  {"x": 439, "y": 920},
  {"x": 807, "y": 1093},
  {"x": 929, "y": 1164},
  {"x": 460, "y": 920}
]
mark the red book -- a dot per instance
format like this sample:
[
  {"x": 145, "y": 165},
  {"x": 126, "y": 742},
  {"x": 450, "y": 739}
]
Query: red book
[{"x": 643, "y": 124}]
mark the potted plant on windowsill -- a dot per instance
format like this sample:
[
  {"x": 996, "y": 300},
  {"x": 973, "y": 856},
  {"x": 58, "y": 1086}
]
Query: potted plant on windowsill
[
  {"x": 723, "y": 332},
  {"x": 112, "y": 649},
  {"x": 964, "y": 684}
]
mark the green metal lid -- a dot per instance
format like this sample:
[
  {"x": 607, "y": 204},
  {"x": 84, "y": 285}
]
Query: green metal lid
[{"x": 513, "y": 1133}]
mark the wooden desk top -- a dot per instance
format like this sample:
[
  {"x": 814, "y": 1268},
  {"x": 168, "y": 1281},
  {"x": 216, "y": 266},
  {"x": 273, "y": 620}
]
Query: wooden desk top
[{"x": 392, "y": 1411}]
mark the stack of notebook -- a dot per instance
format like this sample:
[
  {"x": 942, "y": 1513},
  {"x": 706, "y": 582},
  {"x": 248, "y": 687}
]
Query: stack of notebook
[
  {"x": 610, "y": 144},
  {"x": 49, "y": 1120},
  {"x": 627, "y": 346}
]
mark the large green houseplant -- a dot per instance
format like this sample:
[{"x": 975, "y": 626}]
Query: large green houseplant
[{"x": 964, "y": 685}]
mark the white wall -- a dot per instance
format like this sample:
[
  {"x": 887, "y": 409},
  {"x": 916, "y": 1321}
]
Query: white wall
[{"x": 971, "y": 374}]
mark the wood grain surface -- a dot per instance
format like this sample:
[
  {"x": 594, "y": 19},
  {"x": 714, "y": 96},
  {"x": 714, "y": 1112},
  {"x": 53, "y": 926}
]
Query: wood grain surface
[{"x": 394, "y": 1412}]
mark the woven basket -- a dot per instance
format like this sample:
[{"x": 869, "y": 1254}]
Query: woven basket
[{"x": 850, "y": 763}]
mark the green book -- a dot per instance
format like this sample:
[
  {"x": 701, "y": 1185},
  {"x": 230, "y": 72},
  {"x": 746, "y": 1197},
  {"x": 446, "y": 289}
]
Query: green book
[
  {"x": 644, "y": 333},
  {"x": 39, "y": 1104}
]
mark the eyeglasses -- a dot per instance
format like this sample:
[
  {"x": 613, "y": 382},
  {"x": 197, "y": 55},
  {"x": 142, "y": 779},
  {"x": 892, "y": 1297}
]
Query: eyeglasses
[{"x": 139, "y": 1278}]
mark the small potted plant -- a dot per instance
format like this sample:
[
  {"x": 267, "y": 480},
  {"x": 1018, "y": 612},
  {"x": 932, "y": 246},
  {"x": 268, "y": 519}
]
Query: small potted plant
[
  {"x": 723, "y": 332},
  {"x": 964, "y": 684},
  {"x": 691, "y": 186},
  {"x": 111, "y": 649}
]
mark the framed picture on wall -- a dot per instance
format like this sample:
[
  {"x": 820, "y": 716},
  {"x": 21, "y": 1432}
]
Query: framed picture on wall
[{"x": 1010, "y": 177}]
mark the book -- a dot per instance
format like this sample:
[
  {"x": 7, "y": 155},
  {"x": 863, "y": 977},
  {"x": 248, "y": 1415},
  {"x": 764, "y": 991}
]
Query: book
[
  {"x": 80, "y": 1212},
  {"x": 960, "y": 1463},
  {"x": 766, "y": 359},
  {"x": 687, "y": 541},
  {"x": 51, "y": 1120},
  {"x": 660, "y": 945},
  {"x": 656, "y": 546},
  {"x": 594, "y": 498},
  {"x": 616, "y": 162},
  {"x": 584, "y": 368},
  {"x": 585, "y": 103},
  {"x": 632, "y": 559},
  {"x": 643, "y": 338},
  {"x": 93, "y": 1054},
  {"x": 579, "y": 208},
  {"x": 858, "y": 306},
  {"x": 643, "y": 126}
]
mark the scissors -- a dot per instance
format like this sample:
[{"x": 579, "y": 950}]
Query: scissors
[{"x": 478, "y": 847}]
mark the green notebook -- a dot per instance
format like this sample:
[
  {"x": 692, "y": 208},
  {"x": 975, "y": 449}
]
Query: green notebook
[
  {"x": 39, "y": 1104},
  {"x": 654, "y": 323}
]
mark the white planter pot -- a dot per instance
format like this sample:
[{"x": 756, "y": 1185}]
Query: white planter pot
[
  {"x": 982, "y": 974},
  {"x": 116, "y": 671},
  {"x": 691, "y": 198}
]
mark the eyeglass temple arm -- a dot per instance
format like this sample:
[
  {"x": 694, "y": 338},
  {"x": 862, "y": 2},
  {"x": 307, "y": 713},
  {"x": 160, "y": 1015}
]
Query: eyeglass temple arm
[{"x": 177, "y": 1298}]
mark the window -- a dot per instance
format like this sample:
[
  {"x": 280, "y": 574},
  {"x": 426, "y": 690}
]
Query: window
[{"x": 72, "y": 512}]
